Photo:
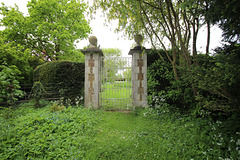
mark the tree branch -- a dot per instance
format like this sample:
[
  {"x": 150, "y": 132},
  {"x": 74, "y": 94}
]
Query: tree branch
[
  {"x": 151, "y": 39},
  {"x": 165, "y": 49},
  {"x": 149, "y": 4}
]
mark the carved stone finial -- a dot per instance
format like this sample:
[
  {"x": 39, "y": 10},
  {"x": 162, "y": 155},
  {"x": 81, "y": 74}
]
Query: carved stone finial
[
  {"x": 93, "y": 41},
  {"x": 138, "y": 39}
]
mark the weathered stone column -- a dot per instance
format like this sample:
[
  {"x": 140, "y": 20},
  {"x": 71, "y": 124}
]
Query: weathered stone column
[
  {"x": 93, "y": 57},
  {"x": 139, "y": 73}
]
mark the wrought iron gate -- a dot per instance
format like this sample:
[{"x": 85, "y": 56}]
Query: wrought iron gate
[
  {"x": 108, "y": 82},
  {"x": 116, "y": 85}
]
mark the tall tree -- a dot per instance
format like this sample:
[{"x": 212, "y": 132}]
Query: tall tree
[
  {"x": 13, "y": 55},
  {"x": 50, "y": 29},
  {"x": 166, "y": 23},
  {"x": 226, "y": 15}
]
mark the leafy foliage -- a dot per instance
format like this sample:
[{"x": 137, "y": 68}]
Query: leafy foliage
[
  {"x": 166, "y": 24},
  {"x": 159, "y": 76},
  {"x": 56, "y": 107},
  {"x": 37, "y": 93},
  {"x": 39, "y": 134},
  {"x": 161, "y": 82},
  {"x": 61, "y": 79},
  {"x": 51, "y": 28},
  {"x": 16, "y": 55},
  {"x": 206, "y": 139},
  {"x": 9, "y": 84},
  {"x": 225, "y": 14},
  {"x": 150, "y": 133},
  {"x": 217, "y": 79}
]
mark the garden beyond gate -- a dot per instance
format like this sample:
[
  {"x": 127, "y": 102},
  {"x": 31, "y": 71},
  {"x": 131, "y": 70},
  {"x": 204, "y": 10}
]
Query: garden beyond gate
[
  {"x": 115, "y": 83},
  {"x": 116, "y": 86}
]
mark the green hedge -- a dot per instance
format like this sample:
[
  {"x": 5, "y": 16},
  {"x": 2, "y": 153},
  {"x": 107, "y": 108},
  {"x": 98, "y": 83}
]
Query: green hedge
[{"x": 61, "y": 79}]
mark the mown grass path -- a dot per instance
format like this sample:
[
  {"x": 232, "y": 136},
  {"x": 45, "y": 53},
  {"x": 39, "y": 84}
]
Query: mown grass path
[
  {"x": 134, "y": 136},
  {"x": 125, "y": 136}
]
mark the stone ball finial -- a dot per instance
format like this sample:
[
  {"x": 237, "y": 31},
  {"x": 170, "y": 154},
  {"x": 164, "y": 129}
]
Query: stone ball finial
[
  {"x": 93, "y": 41},
  {"x": 138, "y": 39}
]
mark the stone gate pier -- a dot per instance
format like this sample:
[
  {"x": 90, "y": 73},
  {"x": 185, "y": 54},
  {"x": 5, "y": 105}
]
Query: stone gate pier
[
  {"x": 139, "y": 73},
  {"x": 93, "y": 56},
  {"x": 93, "y": 66}
]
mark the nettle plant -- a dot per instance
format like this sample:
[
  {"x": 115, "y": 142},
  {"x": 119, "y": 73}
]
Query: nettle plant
[{"x": 9, "y": 84}]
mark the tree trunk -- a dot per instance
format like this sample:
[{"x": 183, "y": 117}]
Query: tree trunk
[
  {"x": 208, "y": 31},
  {"x": 195, "y": 32},
  {"x": 208, "y": 37},
  {"x": 174, "y": 55}
]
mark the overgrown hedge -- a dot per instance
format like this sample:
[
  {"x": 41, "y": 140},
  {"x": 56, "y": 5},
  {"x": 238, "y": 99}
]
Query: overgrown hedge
[
  {"x": 61, "y": 79},
  {"x": 215, "y": 79}
]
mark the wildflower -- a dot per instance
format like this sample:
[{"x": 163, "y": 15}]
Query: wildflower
[
  {"x": 213, "y": 128},
  {"x": 232, "y": 140},
  {"x": 238, "y": 142},
  {"x": 218, "y": 122}
]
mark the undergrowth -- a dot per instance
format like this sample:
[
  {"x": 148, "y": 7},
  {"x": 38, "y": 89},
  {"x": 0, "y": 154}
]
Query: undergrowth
[
  {"x": 44, "y": 134},
  {"x": 56, "y": 132}
]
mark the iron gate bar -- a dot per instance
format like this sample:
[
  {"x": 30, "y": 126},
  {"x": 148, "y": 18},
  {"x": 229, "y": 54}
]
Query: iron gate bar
[{"x": 115, "y": 85}]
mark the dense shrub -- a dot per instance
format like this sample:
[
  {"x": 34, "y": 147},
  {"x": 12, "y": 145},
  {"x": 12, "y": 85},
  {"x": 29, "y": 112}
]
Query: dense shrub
[
  {"x": 153, "y": 56},
  {"x": 213, "y": 79},
  {"x": 16, "y": 55},
  {"x": 9, "y": 84},
  {"x": 161, "y": 83},
  {"x": 63, "y": 79},
  {"x": 217, "y": 79},
  {"x": 159, "y": 76}
]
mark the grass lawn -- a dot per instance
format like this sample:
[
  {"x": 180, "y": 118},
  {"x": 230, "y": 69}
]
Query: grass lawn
[
  {"x": 79, "y": 133},
  {"x": 130, "y": 136},
  {"x": 120, "y": 137},
  {"x": 116, "y": 96}
]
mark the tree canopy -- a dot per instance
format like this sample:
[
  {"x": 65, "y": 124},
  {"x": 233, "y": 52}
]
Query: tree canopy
[
  {"x": 226, "y": 15},
  {"x": 50, "y": 28},
  {"x": 174, "y": 27},
  {"x": 167, "y": 24}
]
